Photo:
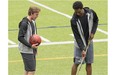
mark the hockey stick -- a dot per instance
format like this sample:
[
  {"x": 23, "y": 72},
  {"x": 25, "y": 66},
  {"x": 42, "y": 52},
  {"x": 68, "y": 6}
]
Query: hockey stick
[{"x": 83, "y": 57}]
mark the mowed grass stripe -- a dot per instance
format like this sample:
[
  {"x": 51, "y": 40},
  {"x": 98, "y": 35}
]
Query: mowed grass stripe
[{"x": 56, "y": 58}]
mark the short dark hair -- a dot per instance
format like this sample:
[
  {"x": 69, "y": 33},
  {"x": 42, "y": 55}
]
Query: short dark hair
[
  {"x": 33, "y": 10},
  {"x": 77, "y": 5}
]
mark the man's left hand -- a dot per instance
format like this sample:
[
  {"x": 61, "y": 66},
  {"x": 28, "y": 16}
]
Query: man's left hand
[{"x": 91, "y": 36}]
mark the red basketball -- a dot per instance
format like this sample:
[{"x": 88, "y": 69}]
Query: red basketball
[{"x": 35, "y": 39}]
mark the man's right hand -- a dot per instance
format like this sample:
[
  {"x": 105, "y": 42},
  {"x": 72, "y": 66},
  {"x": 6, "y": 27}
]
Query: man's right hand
[
  {"x": 34, "y": 45},
  {"x": 83, "y": 54}
]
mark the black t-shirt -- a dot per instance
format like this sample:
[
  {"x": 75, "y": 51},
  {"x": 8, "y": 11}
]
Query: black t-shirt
[{"x": 84, "y": 24}]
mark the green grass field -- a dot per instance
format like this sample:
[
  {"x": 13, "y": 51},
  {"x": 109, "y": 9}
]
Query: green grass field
[{"x": 55, "y": 58}]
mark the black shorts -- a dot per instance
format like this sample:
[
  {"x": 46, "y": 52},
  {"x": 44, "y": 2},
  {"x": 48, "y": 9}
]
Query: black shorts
[{"x": 29, "y": 61}]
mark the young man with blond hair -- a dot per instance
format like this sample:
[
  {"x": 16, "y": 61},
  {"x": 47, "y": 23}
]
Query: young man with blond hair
[{"x": 27, "y": 27}]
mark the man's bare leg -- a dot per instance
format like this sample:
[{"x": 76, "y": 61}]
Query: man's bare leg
[
  {"x": 89, "y": 69},
  {"x": 25, "y": 73},
  {"x": 31, "y": 72},
  {"x": 74, "y": 69}
]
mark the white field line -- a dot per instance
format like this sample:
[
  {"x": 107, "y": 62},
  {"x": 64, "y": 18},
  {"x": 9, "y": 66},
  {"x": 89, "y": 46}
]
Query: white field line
[
  {"x": 68, "y": 16},
  {"x": 71, "y": 35},
  {"x": 59, "y": 43},
  {"x": 11, "y": 42},
  {"x": 44, "y": 39},
  {"x": 50, "y": 8},
  {"x": 100, "y": 30},
  {"x": 100, "y": 40}
]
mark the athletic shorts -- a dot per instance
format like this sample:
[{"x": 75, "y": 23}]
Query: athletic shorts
[
  {"x": 78, "y": 55},
  {"x": 29, "y": 61}
]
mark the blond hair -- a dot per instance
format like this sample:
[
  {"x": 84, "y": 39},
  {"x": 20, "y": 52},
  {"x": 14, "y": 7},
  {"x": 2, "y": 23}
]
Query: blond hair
[{"x": 33, "y": 10}]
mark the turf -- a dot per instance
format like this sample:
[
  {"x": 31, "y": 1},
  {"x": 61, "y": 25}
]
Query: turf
[{"x": 55, "y": 59}]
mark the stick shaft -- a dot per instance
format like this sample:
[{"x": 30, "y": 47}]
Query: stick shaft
[{"x": 83, "y": 58}]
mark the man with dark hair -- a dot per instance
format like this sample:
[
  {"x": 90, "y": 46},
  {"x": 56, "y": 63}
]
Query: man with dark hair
[
  {"x": 27, "y": 27},
  {"x": 84, "y": 23}
]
